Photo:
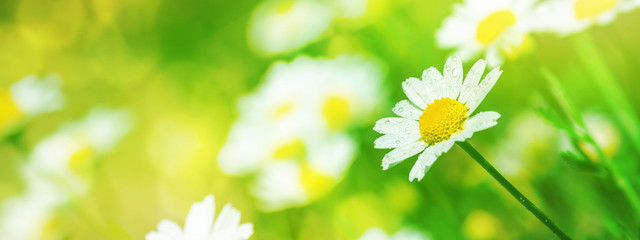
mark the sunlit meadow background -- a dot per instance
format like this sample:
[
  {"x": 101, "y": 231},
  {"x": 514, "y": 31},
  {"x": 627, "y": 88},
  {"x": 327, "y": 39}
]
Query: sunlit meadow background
[{"x": 176, "y": 69}]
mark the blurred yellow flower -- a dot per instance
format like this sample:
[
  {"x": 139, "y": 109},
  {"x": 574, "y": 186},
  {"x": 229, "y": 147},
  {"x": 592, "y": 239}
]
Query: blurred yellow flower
[
  {"x": 480, "y": 224},
  {"x": 437, "y": 115}
]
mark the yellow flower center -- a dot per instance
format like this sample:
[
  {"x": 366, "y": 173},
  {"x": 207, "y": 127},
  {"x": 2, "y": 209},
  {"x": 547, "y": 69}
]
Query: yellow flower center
[
  {"x": 282, "y": 110},
  {"x": 336, "y": 111},
  {"x": 9, "y": 112},
  {"x": 294, "y": 149},
  {"x": 315, "y": 183},
  {"x": 493, "y": 25},
  {"x": 81, "y": 159},
  {"x": 592, "y": 8},
  {"x": 441, "y": 119},
  {"x": 284, "y": 7},
  {"x": 513, "y": 51}
]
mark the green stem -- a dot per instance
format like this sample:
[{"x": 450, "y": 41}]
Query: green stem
[{"x": 512, "y": 190}]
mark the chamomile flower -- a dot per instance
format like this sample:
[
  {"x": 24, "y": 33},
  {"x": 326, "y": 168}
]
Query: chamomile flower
[
  {"x": 25, "y": 216},
  {"x": 495, "y": 28},
  {"x": 29, "y": 97},
  {"x": 202, "y": 224},
  {"x": 331, "y": 93},
  {"x": 379, "y": 234},
  {"x": 67, "y": 153},
  {"x": 437, "y": 114},
  {"x": 283, "y": 26},
  {"x": 292, "y": 165},
  {"x": 570, "y": 16}
]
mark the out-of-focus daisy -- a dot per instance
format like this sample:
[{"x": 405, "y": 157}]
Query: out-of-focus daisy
[
  {"x": 331, "y": 93},
  {"x": 604, "y": 134},
  {"x": 66, "y": 154},
  {"x": 282, "y": 26},
  {"x": 497, "y": 28},
  {"x": 379, "y": 234},
  {"x": 569, "y": 16},
  {"x": 202, "y": 224},
  {"x": 29, "y": 97},
  {"x": 529, "y": 136},
  {"x": 293, "y": 124},
  {"x": 25, "y": 216},
  {"x": 350, "y": 8},
  {"x": 437, "y": 114},
  {"x": 306, "y": 162}
]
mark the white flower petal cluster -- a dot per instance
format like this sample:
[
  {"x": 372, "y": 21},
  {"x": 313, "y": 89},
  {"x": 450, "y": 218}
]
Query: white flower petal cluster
[
  {"x": 201, "y": 224},
  {"x": 291, "y": 130}
]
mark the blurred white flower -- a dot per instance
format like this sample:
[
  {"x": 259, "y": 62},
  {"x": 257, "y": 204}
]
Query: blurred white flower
[
  {"x": 202, "y": 224},
  {"x": 497, "y": 28},
  {"x": 24, "y": 217},
  {"x": 331, "y": 93},
  {"x": 30, "y": 97},
  {"x": 379, "y": 234},
  {"x": 603, "y": 131},
  {"x": 293, "y": 125},
  {"x": 292, "y": 166},
  {"x": 350, "y": 8},
  {"x": 282, "y": 26},
  {"x": 569, "y": 16},
  {"x": 528, "y": 136},
  {"x": 437, "y": 115},
  {"x": 69, "y": 150}
]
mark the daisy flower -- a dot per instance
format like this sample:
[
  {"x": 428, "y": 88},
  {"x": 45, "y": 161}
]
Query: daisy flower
[
  {"x": 66, "y": 154},
  {"x": 291, "y": 165},
  {"x": 437, "y": 114},
  {"x": 26, "y": 215},
  {"x": 294, "y": 124},
  {"x": 202, "y": 224},
  {"x": 283, "y": 26},
  {"x": 379, "y": 234},
  {"x": 497, "y": 28},
  {"x": 29, "y": 97},
  {"x": 331, "y": 93},
  {"x": 570, "y": 16}
]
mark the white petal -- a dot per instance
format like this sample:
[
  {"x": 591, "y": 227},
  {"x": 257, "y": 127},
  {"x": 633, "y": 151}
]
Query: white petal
[
  {"x": 478, "y": 122},
  {"x": 483, "y": 88},
  {"x": 493, "y": 56},
  {"x": 433, "y": 81},
  {"x": 406, "y": 110},
  {"x": 226, "y": 223},
  {"x": 427, "y": 158},
  {"x": 394, "y": 141},
  {"x": 471, "y": 81},
  {"x": 170, "y": 229},
  {"x": 244, "y": 231},
  {"x": 453, "y": 76},
  {"x": 400, "y": 154},
  {"x": 415, "y": 91},
  {"x": 199, "y": 220},
  {"x": 397, "y": 126}
]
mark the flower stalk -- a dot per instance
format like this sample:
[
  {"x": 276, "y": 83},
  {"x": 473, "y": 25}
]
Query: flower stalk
[{"x": 512, "y": 190}]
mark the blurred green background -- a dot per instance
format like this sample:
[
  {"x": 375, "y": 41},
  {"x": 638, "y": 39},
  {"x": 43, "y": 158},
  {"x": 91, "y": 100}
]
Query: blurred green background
[{"x": 179, "y": 67}]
